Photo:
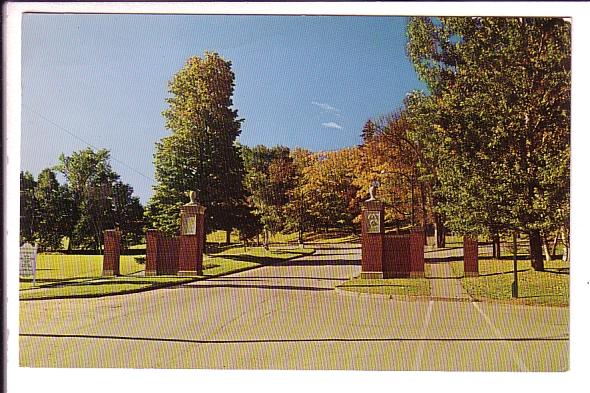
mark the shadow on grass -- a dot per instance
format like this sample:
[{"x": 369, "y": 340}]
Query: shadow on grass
[
  {"x": 511, "y": 257},
  {"x": 373, "y": 286},
  {"x": 254, "y": 286},
  {"x": 501, "y": 273},
  {"x": 443, "y": 249},
  {"x": 559, "y": 270},
  {"x": 443, "y": 259},
  {"x": 332, "y": 254},
  {"x": 538, "y": 296},
  {"x": 249, "y": 258},
  {"x": 105, "y": 281}
]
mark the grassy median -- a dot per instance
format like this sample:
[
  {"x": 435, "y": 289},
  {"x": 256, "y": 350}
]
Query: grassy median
[
  {"x": 63, "y": 276},
  {"x": 389, "y": 286},
  {"x": 549, "y": 287}
]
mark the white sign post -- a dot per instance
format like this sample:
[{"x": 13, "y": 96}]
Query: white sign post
[{"x": 28, "y": 261}]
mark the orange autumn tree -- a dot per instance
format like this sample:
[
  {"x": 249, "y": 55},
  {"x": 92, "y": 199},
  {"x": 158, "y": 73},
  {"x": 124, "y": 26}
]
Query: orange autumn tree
[
  {"x": 389, "y": 156},
  {"x": 329, "y": 190}
]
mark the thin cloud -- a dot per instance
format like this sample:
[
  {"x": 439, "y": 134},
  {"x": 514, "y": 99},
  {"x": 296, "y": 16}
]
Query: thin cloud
[
  {"x": 326, "y": 107},
  {"x": 332, "y": 125}
]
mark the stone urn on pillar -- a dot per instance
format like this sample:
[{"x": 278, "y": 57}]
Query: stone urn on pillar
[
  {"x": 372, "y": 230},
  {"x": 192, "y": 238}
]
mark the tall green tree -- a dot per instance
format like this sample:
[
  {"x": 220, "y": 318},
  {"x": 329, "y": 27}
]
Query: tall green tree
[
  {"x": 426, "y": 122},
  {"x": 297, "y": 213},
  {"x": 270, "y": 178},
  {"x": 127, "y": 213},
  {"x": 56, "y": 211},
  {"x": 201, "y": 153},
  {"x": 28, "y": 208},
  {"x": 90, "y": 178},
  {"x": 504, "y": 87}
]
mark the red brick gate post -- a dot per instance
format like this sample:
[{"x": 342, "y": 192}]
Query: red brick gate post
[
  {"x": 470, "y": 262},
  {"x": 192, "y": 238},
  {"x": 112, "y": 252},
  {"x": 372, "y": 233},
  {"x": 417, "y": 252},
  {"x": 153, "y": 252}
]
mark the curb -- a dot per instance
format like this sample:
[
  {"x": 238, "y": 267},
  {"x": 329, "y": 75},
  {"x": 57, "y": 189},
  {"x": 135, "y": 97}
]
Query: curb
[
  {"x": 470, "y": 299},
  {"x": 407, "y": 298}
]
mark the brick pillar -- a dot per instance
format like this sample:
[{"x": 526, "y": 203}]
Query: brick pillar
[
  {"x": 169, "y": 259},
  {"x": 373, "y": 232},
  {"x": 396, "y": 256},
  {"x": 470, "y": 263},
  {"x": 192, "y": 240},
  {"x": 152, "y": 252},
  {"x": 112, "y": 252},
  {"x": 417, "y": 238}
]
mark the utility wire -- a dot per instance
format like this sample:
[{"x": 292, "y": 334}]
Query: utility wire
[{"x": 86, "y": 142}]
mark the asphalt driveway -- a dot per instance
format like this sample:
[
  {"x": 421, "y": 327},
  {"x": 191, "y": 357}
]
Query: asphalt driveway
[{"x": 289, "y": 316}]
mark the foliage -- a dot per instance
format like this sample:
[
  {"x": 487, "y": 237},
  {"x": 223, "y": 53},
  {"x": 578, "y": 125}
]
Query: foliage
[
  {"x": 270, "y": 178},
  {"x": 200, "y": 154},
  {"x": 502, "y": 92},
  {"x": 329, "y": 193},
  {"x": 128, "y": 213},
  {"x": 90, "y": 178},
  {"x": 28, "y": 207},
  {"x": 56, "y": 211},
  {"x": 390, "y": 157},
  {"x": 92, "y": 200}
]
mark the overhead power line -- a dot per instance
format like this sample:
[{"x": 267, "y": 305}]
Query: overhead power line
[{"x": 86, "y": 142}]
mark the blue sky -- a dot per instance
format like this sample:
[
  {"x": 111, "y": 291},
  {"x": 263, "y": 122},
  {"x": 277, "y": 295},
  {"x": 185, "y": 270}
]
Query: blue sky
[{"x": 101, "y": 80}]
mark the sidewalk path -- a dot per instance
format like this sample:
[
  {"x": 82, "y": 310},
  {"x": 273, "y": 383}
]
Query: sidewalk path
[{"x": 443, "y": 286}]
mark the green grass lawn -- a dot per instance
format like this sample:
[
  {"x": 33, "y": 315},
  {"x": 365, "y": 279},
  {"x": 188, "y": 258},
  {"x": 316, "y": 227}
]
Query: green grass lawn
[
  {"x": 550, "y": 287},
  {"x": 60, "y": 276},
  {"x": 389, "y": 286}
]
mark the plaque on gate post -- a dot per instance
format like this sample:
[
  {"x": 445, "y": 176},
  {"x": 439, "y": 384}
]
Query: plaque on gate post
[{"x": 373, "y": 231}]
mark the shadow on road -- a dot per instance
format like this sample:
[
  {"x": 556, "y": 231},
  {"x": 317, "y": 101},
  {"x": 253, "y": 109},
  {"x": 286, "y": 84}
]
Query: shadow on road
[{"x": 319, "y": 260}]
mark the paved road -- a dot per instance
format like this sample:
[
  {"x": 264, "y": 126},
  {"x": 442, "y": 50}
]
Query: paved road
[{"x": 289, "y": 316}]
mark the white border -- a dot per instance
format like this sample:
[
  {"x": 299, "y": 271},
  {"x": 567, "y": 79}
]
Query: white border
[{"x": 23, "y": 379}]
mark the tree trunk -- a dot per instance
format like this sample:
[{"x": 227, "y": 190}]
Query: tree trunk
[
  {"x": 536, "y": 250},
  {"x": 496, "y": 250},
  {"x": 566, "y": 243},
  {"x": 554, "y": 245},
  {"x": 227, "y": 237},
  {"x": 423, "y": 207},
  {"x": 545, "y": 247},
  {"x": 439, "y": 231},
  {"x": 266, "y": 239}
]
